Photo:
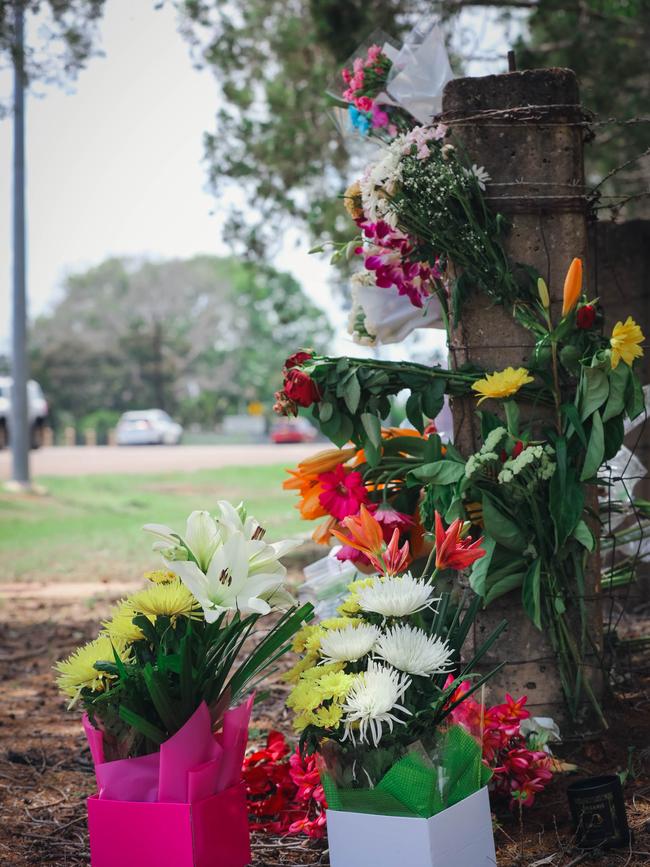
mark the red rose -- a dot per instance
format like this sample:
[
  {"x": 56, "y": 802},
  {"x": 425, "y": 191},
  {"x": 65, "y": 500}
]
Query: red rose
[
  {"x": 297, "y": 359},
  {"x": 517, "y": 449},
  {"x": 586, "y": 316},
  {"x": 300, "y": 387}
]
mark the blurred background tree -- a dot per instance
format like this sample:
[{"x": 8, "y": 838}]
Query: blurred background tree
[
  {"x": 200, "y": 337},
  {"x": 277, "y": 145},
  {"x": 63, "y": 39}
]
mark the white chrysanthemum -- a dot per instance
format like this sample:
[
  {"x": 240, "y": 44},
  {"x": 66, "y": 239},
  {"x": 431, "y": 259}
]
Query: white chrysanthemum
[
  {"x": 372, "y": 702},
  {"x": 380, "y": 181},
  {"x": 348, "y": 644},
  {"x": 396, "y": 596},
  {"x": 481, "y": 175},
  {"x": 413, "y": 651}
]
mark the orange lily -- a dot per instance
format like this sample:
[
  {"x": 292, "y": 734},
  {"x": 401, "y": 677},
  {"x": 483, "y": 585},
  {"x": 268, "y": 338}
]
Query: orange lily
[
  {"x": 323, "y": 532},
  {"x": 452, "y": 550},
  {"x": 366, "y": 532},
  {"x": 326, "y": 460},
  {"x": 309, "y": 489},
  {"x": 572, "y": 286}
]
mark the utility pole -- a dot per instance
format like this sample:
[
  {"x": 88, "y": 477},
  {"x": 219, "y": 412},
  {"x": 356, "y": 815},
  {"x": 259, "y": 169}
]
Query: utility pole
[{"x": 19, "y": 431}]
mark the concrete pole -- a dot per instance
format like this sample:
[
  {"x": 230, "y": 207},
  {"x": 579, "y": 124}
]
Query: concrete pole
[
  {"x": 19, "y": 431},
  {"x": 525, "y": 129}
]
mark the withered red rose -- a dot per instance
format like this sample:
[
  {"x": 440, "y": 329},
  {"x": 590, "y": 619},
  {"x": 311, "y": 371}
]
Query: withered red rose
[
  {"x": 300, "y": 387},
  {"x": 297, "y": 359}
]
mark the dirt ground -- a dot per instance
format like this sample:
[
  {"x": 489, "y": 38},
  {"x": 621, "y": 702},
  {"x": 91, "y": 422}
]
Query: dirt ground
[{"x": 46, "y": 772}]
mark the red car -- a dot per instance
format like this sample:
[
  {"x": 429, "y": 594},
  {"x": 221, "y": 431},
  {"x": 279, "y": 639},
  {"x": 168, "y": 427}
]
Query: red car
[{"x": 293, "y": 430}]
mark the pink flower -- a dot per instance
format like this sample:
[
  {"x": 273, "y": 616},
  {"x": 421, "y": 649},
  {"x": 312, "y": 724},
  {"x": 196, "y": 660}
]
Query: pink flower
[
  {"x": 358, "y": 65},
  {"x": 363, "y": 103},
  {"x": 374, "y": 53},
  {"x": 346, "y": 75},
  {"x": 379, "y": 117},
  {"x": 343, "y": 492}
]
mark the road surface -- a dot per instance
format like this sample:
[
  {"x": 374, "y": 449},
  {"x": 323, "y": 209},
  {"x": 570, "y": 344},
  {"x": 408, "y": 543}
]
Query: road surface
[{"x": 90, "y": 460}]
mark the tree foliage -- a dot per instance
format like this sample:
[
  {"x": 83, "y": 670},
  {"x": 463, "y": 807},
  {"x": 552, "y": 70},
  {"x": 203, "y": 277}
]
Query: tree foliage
[
  {"x": 274, "y": 136},
  {"x": 60, "y": 37},
  {"x": 197, "y": 337}
]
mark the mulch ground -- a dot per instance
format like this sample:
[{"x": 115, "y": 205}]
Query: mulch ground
[{"x": 46, "y": 773}]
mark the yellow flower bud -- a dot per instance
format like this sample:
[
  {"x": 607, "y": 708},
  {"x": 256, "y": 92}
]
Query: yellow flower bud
[{"x": 542, "y": 290}]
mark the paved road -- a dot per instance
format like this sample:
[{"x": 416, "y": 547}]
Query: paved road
[{"x": 88, "y": 460}]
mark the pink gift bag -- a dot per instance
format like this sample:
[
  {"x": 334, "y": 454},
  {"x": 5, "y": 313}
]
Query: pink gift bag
[{"x": 184, "y": 806}]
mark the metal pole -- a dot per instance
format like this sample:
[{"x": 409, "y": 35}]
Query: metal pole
[{"x": 19, "y": 430}]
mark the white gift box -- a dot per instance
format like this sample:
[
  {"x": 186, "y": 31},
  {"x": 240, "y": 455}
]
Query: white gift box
[{"x": 460, "y": 836}]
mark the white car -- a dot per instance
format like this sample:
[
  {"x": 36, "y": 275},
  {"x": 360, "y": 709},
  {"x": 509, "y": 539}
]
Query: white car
[
  {"x": 150, "y": 427},
  {"x": 37, "y": 411}
]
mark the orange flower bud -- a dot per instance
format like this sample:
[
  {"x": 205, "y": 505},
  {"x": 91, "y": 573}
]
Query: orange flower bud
[{"x": 572, "y": 286}]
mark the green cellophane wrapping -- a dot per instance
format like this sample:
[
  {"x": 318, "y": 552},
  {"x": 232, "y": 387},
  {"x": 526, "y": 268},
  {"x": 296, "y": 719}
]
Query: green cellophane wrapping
[{"x": 415, "y": 786}]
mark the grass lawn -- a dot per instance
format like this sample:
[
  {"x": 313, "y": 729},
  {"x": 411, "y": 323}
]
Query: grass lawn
[{"x": 88, "y": 527}]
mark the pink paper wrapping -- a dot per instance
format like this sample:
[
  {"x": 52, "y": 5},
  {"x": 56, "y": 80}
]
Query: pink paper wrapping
[{"x": 191, "y": 765}]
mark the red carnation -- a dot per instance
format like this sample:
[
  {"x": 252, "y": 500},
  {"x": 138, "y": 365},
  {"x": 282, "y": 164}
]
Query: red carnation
[
  {"x": 298, "y": 359},
  {"x": 300, "y": 387},
  {"x": 586, "y": 316}
]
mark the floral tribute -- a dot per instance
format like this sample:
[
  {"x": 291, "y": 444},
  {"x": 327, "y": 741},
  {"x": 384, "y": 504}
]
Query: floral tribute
[
  {"x": 362, "y": 83},
  {"x": 384, "y": 675},
  {"x": 166, "y": 687}
]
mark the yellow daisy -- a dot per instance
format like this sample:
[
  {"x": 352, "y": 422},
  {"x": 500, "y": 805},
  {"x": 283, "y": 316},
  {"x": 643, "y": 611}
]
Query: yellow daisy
[
  {"x": 78, "y": 670},
  {"x": 169, "y": 600},
  {"x": 352, "y": 200},
  {"x": 503, "y": 383},
  {"x": 625, "y": 341}
]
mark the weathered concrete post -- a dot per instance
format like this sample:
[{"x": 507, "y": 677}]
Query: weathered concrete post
[{"x": 526, "y": 129}]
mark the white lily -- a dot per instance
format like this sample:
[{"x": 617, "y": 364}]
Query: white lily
[
  {"x": 202, "y": 537},
  {"x": 228, "y": 584}
]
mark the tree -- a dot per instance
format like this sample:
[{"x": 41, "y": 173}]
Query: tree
[
  {"x": 274, "y": 137},
  {"x": 63, "y": 38},
  {"x": 201, "y": 336}
]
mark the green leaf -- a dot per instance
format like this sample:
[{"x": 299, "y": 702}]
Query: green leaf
[
  {"x": 439, "y": 472},
  {"x": 478, "y": 575},
  {"x": 566, "y": 508},
  {"x": 618, "y": 377},
  {"x": 595, "y": 449},
  {"x": 344, "y": 431},
  {"x": 634, "y": 397},
  {"x": 593, "y": 391},
  {"x": 504, "y": 585},
  {"x": 614, "y": 434},
  {"x": 142, "y": 725},
  {"x": 574, "y": 424},
  {"x": 325, "y": 411},
  {"x": 433, "y": 397},
  {"x": 531, "y": 592},
  {"x": 352, "y": 394},
  {"x": 372, "y": 427},
  {"x": 504, "y": 530},
  {"x": 583, "y": 534},
  {"x": 414, "y": 411}
]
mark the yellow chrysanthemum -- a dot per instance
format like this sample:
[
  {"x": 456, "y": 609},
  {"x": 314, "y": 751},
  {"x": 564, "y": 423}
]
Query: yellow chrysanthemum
[
  {"x": 78, "y": 670},
  {"x": 304, "y": 697},
  {"x": 350, "y": 604},
  {"x": 160, "y": 576},
  {"x": 339, "y": 622},
  {"x": 302, "y": 720},
  {"x": 501, "y": 384},
  {"x": 352, "y": 200},
  {"x": 329, "y": 717},
  {"x": 120, "y": 627},
  {"x": 317, "y": 672},
  {"x": 301, "y": 637},
  {"x": 170, "y": 600},
  {"x": 303, "y": 665},
  {"x": 625, "y": 341},
  {"x": 335, "y": 685}
]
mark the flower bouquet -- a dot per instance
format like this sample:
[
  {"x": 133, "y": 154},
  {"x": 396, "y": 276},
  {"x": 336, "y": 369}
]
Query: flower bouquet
[
  {"x": 374, "y": 698},
  {"x": 164, "y": 689}
]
